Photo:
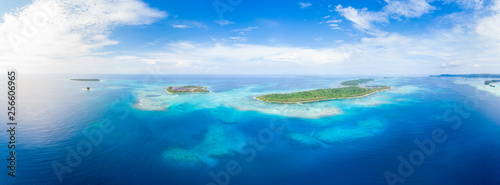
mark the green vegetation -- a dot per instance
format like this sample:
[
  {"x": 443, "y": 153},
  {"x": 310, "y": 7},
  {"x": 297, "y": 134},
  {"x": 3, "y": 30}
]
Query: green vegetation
[
  {"x": 490, "y": 82},
  {"x": 352, "y": 91},
  {"x": 321, "y": 94},
  {"x": 85, "y": 79},
  {"x": 356, "y": 83},
  {"x": 187, "y": 89}
]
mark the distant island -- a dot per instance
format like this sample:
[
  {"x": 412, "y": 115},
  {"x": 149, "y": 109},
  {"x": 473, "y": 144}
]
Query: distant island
[
  {"x": 187, "y": 89},
  {"x": 469, "y": 75},
  {"x": 490, "y": 82},
  {"x": 85, "y": 79},
  {"x": 352, "y": 91},
  {"x": 356, "y": 83}
]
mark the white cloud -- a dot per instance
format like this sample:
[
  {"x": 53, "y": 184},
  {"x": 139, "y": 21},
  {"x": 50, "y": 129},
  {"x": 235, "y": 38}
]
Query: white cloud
[
  {"x": 180, "y": 26},
  {"x": 252, "y": 53},
  {"x": 74, "y": 34},
  {"x": 362, "y": 19},
  {"x": 451, "y": 64},
  {"x": 489, "y": 27},
  {"x": 453, "y": 49},
  {"x": 407, "y": 8},
  {"x": 179, "y": 23},
  {"x": 52, "y": 31},
  {"x": 238, "y": 39},
  {"x": 245, "y": 29},
  {"x": 182, "y": 45},
  {"x": 334, "y": 21},
  {"x": 326, "y": 17},
  {"x": 470, "y": 4},
  {"x": 223, "y": 22},
  {"x": 456, "y": 50},
  {"x": 334, "y": 27},
  {"x": 304, "y": 4}
]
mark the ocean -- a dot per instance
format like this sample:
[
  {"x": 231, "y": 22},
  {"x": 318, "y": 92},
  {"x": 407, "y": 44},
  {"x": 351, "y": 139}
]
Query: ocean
[{"x": 128, "y": 130}]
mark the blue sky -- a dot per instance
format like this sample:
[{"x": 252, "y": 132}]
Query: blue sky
[{"x": 406, "y": 37}]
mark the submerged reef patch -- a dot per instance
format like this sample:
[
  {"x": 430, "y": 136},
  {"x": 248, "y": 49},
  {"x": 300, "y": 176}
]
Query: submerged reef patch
[
  {"x": 181, "y": 155},
  {"x": 336, "y": 135},
  {"x": 302, "y": 140},
  {"x": 219, "y": 142}
]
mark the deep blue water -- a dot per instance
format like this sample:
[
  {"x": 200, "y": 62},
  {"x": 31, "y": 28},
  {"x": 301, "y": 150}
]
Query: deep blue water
[{"x": 54, "y": 111}]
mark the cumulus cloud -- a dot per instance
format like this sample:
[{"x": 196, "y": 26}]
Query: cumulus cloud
[
  {"x": 455, "y": 49},
  {"x": 450, "y": 50},
  {"x": 52, "y": 30},
  {"x": 60, "y": 34},
  {"x": 249, "y": 53},
  {"x": 364, "y": 20},
  {"x": 489, "y": 26},
  {"x": 407, "y": 8},
  {"x": 361, "y": 19}
]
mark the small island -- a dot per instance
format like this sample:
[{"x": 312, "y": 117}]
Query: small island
[
  {"x": 356, "y": 83},
  {"x": 187, "y": 89},
  {"x": 92, "y": 80},
  {"x": 468, "y": 75},
  {"x": 351, "y": 91},
  {"x": 490, "y": 82}
]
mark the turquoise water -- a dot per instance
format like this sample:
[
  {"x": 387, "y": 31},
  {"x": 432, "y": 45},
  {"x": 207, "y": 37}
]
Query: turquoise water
[{"x": 226, "y": 137}]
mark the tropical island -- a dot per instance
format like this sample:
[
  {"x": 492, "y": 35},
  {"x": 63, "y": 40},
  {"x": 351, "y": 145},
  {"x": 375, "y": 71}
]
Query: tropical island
[
  {"x": 490, "y": 82},
  {"x": 187, "y": 89},
  {"x": 356, "y": 83},
  {"x": 469, "y": 75},
  {"x": 85, "y": 79},
  {"x": 351, "y": 91}
]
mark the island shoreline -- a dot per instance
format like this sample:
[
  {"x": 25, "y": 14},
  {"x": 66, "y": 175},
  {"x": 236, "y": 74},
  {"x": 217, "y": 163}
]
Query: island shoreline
[{"x": 352, "y": 89}]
